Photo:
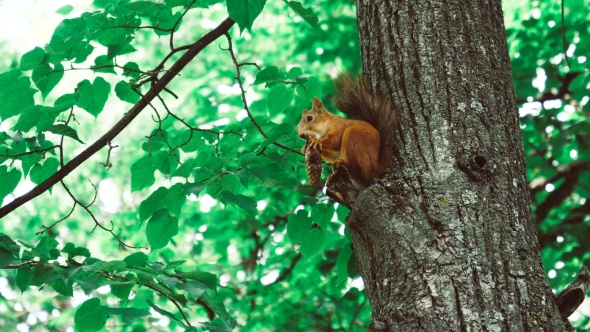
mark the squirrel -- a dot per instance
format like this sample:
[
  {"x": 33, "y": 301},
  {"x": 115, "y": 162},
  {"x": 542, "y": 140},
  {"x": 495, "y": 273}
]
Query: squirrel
[{"x": 363, "y": 144}]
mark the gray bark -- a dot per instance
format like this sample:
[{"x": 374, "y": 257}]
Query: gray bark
[{"x": 446, "y": 241}]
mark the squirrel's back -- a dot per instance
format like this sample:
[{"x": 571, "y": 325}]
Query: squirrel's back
[{"x": 355, "y": 99}]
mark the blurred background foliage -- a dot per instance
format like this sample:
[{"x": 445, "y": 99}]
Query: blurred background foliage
[{"x": 265, "y": 284}]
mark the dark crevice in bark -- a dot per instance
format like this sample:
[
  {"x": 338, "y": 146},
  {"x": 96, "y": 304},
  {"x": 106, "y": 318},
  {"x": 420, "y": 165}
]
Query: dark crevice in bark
[{"x": 459, "y": 310}]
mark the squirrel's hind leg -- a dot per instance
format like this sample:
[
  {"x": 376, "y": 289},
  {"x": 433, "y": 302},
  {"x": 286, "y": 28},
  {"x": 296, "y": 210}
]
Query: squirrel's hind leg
[{"x": 360, "y": 151}]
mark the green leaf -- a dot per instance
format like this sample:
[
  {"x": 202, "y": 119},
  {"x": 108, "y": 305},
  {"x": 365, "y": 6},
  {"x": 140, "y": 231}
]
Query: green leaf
[
  {"x": 213, "y": 302},
  {"x": 9, "y": 180},
  {"x": 321, "y": 214},
  {"x": 131, "y": 70},
  {"x": 342, "y": 212},
  {"x": 46, "y": 78},
  {"x": 41, "y": 272},
  {"x": 46, "y": 248},
  {"x": 301, "y": 79},
  {"x": 194, "y": 188},
  {"x": 65, "y": 10},
  {"x": 298, "y": 226},
  {"x": 102, "y": 64},
  {"x": 278, "y": 133},
  {"x": 244, "y": 12},
  {"x": 279, "y": 99},
  {"x": 82, "y": 51},
  {"x": 40, "y": 173},
  {"x": 142, "y": 174},
  {"x": 111, "y": 266},
  {"x": 74, "y": 251},
  {"x": 268, "y": 74},
  {"x": 31, "y": 117},
  {"x": 90, "y": 317},
  {"x": 4, "y": 137},
  {"x": 156, "y": 141},
  {"x": 165, "y": 162},
  {"x": 121, "y": 49},
  {"x": 125, "y": 93},
  {"x": 8, "y": 243},
  {"x": 184, "y": 171},
  {"x": 60, "y": 286},
  {"x": 137, "y": 259},
  {"x": 62, "y": 129},
  {"x": 16, "y": 94},
  {"x": 229, "y": 182},
  {"x": 93, "y": 96},
  {"x": 310, "y": 89},
  {"x": 129, "y": 315},
  {"x": 210, "y": 169},
  {"x": 174, "y": 265},
  {"x": 66, "y": 38},
  {"x": 313, "y": 242},
  {"x": 342, "y": 262},
  {"x": 173, "y": 199},
  {"x": 166, "y": 313},
  {"x": 217, "y": 325},
  {"x": 353, "y": 270},
  {"x": 24, "y": 277},
  {"x": 90, "y": 285},
  {"x": 240, "y": 201},
  {"x": 33, "y": 59},
  {"x": 65, "y": 102},
  {"x": 121, "y": 291},
  {"x": 305, "y": 13},
  {"x": 176, "y": 198},
  {"x": 206, "y": 278},
  {"x": 194, "y": 288},
  {"x": 6, "y": 257},
  {"x": 295, "y": 72},
  {"x": 161, "y": 228},
  {"x": 155, "y": 202}
]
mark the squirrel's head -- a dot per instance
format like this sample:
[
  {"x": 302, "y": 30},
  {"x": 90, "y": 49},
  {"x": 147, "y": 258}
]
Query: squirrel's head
[{"x": 314, "y": 122}]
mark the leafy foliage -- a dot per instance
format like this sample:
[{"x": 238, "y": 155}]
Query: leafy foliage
[{"x": 197, "y": 215}]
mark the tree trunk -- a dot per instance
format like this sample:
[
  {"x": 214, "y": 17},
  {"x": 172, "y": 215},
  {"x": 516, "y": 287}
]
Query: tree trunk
[{"x": 446, "y": 242}]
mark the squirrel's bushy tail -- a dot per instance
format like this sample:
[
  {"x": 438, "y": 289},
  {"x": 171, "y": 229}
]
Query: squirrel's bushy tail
[{"x": 355, "y": 99}]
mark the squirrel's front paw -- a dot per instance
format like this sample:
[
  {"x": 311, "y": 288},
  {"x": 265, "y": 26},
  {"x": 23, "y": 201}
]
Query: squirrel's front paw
[
  {"x": 314, "y": 144},
  {"x": 336, "y": 165}
]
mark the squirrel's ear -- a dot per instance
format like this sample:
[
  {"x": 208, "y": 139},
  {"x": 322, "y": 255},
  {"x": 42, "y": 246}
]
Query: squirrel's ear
[{"x": 317, "y": 104}]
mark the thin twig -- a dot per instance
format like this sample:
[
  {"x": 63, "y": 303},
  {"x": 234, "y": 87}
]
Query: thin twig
[
  {"x": 178, "y": 22},
  {"x": 245, "y": 102},
  {"x": 30, "y": 152},
  {"x": 46, "y": 228},
  {"x": 107, "y": 164},
  {"x": 239, "y": 80},
  {"x": 250, "y": 64},
  {"x": 96, "y": 223}
]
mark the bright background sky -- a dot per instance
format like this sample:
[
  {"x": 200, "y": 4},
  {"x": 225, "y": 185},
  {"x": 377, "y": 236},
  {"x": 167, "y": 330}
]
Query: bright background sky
[{"x": 33, "y": 21}]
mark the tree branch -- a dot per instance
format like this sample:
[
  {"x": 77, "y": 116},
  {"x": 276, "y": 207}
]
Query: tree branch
[
  {"x": 563, "y": 90},
  {"x": 192, "y": 51},
  {"x": 571, "y": 174}
]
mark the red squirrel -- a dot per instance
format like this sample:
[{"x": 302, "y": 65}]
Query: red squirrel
[{"x": 364, "y": 144}]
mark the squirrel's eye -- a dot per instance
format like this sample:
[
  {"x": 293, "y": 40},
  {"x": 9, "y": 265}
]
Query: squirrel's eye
[{"x": 309, "y": 118}]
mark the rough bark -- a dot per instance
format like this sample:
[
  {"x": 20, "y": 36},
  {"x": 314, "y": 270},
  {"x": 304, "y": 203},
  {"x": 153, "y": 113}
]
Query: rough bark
[{"x": 446, "y": 241}]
